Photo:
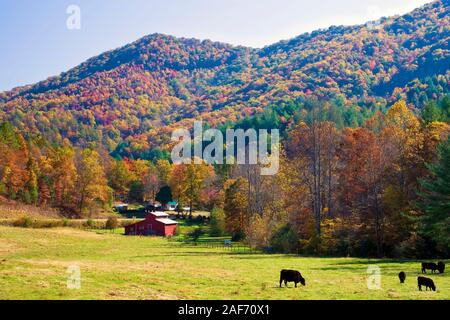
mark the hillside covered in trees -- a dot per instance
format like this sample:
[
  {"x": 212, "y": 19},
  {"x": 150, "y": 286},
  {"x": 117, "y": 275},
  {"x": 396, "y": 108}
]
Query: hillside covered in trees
[
  {"x": 378, "y": 189},
  {"x": 131, "y": 98},
  {"x": 364, "y": 115}
]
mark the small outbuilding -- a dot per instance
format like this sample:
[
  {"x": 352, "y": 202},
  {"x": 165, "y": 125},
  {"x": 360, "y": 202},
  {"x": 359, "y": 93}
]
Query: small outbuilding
[
  {"x": 171, "y": 206},
  {"x": 121, "y": 207},
  {"x": 155, "y": 223}
]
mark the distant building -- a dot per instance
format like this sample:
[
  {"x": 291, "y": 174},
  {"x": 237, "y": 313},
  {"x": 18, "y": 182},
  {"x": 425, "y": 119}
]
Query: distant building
[
  {"x": 155, "y": 223},
  {"x": 171, "y": 206},
  {"x": 121, "y": 207},
  {"x": 153, "y": 206}
]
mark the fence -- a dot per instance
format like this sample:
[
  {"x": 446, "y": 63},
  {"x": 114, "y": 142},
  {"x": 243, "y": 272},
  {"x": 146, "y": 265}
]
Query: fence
[{"x": 222, "y": 245}]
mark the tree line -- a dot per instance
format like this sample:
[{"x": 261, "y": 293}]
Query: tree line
[{"x": 376, "y": 188}]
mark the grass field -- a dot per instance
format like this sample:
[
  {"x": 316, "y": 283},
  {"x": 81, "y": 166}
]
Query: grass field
[{"x": 34, "y": 262}]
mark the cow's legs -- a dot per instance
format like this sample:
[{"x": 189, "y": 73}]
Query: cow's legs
[
  {"x": 285, "y": 283},
  {"x": 296, "y": 284},
  {"x": 420, "y": 287}
]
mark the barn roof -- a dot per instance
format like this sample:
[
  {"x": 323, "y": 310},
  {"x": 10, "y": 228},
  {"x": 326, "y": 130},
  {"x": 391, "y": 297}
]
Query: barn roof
[
  {"x": 167, "y": 221},
  {"x": 159, "y": 214}
]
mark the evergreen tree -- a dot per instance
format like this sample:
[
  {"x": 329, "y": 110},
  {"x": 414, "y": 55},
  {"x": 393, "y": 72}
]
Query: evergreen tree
[
  {"x": 431, "y": 112},
  {"x": 435, "y": 200}
]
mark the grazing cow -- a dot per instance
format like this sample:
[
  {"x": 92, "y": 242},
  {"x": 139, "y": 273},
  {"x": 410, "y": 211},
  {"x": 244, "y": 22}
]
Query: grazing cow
[
  {"x": 441, "y": 267},
  {"x": 427, "y": 282},
  {"x": 291, "y": 276},
  {"x": 429, "y": 265},
  {"x": 402, "y": 277}
]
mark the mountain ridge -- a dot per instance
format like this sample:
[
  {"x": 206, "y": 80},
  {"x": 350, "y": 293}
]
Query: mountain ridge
[{"x": 139, "y": 92}]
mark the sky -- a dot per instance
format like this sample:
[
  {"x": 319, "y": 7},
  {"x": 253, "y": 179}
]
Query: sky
[{"x": 43, "y": 38}]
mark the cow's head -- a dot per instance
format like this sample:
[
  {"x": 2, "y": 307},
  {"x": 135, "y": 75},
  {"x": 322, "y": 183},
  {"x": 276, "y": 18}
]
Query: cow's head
[{"x": 302, "y": 281}]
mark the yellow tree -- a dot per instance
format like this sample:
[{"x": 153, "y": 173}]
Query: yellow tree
[
  {"x": 91, "y": 182},
  {"x": 163, "y": 168},
  {"x": 187, "y": 181},
  {"x": 403, "y": 143},
  {"x": 175, "y": 180},
  {"x": 120, "y": 178},
  {"x": 236, "y": 206},
  {"x": 60, "y": 166}
]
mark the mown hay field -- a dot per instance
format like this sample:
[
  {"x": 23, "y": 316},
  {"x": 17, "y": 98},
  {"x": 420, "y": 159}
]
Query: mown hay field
[{"x": 34, "y": 265}]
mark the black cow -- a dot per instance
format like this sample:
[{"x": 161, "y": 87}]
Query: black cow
[
  {"x": 441, "y": 267},
  {"x": 429, "y": 265},
  {"x": 402, "y": 277},
  {"x": 427, "y": 282},
  {"x": 291, "y": 276}
]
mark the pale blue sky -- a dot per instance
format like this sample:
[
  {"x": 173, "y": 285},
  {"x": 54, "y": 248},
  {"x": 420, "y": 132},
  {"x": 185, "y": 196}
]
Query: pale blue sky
[{"x": 35, "y": 42}]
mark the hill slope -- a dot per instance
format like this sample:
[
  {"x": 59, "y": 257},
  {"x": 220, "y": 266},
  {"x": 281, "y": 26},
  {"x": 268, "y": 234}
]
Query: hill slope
[{"x": 138, "y": 93}]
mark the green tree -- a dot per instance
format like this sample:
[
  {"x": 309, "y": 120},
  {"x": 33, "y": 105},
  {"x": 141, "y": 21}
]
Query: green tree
[
  {"x": 136, "y": 191},
  {"x": 435, "y": 199},
  {"x": 217, "y": 222},
  {"x": 431, "y": 112},
  {"x": 32, "y": 182},
  {"x": 164, "y": 195}
]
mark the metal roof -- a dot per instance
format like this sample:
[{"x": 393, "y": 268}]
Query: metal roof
[
  {"x": 167, "y": 221},
  {"x": 159, "y": 214}
]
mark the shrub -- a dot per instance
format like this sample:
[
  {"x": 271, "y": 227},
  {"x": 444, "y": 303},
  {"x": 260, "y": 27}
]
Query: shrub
[
  {"x": 415, "y": 247},
  {"x": 65, "y": 222},
  {"x": 27, "y": 197},
  {"x": 196, "y": 234},
  {"x": 24, "y": 222},
  {"x": 90, "y": 223},
  {"x": 198, "y": 219},
  {"x": 3, "y": 189},
  {"x": 238, "y": 236},
  {"x": 284, "y": 240},
  {"x": 112, "y": 223},
  {"x": 40, "y": 224},
  {"x": 217, "y": 222},
  {"x": 258, "y": 232}
]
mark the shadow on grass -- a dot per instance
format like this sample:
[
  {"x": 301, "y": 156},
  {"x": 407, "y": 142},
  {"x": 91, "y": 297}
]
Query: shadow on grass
[
  {"x": 194, "y": 253},
  {"x": 367, "y": 261},
  {"x": 362, "y": 269},
  {"x": 386, "y": 260}
]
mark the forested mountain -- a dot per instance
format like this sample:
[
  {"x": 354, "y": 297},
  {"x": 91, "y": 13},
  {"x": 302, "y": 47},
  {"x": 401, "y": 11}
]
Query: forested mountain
[
  {"x": 135, "y": 95},
  {"x": 364, "y": 115}
]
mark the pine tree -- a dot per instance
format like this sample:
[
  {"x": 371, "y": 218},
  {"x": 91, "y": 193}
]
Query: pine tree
[
  {"x": 435, "y": 199},
  {"x": 431, "y": 113}
]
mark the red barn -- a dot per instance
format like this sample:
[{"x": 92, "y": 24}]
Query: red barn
[{"x": 155, "y": 223}]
